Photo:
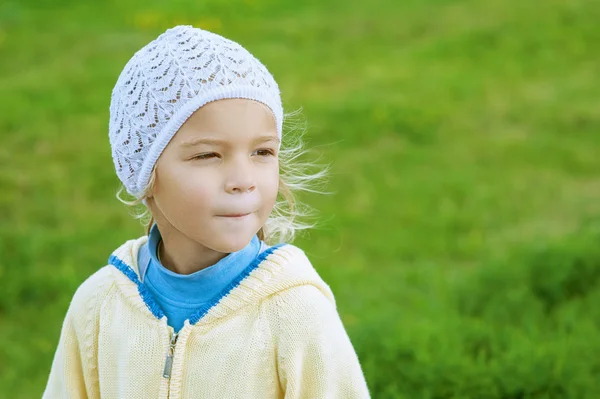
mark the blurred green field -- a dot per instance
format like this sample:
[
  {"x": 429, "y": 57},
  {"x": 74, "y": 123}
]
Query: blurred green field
[{"x": 462, "y": 241}]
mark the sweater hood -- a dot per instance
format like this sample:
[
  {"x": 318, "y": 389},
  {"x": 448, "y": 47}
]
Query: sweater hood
[{"x": 276, "y": 269}]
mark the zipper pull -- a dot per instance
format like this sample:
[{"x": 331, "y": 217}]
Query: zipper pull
[{"x": 169, "y": 358}]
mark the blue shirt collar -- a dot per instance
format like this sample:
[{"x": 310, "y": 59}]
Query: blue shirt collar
[{"x": 202, "y": 285}]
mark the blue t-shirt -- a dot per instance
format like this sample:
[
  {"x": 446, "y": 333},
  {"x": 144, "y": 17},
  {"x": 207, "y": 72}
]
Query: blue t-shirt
[{"x": 180, "y": 295}]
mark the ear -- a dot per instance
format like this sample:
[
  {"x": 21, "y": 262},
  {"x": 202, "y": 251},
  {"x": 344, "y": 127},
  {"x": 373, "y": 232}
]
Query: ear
[
  {"x": 151, "y": 185},
  {"x": 149, "y": 194},
  {"x": 148, "y": 202}
]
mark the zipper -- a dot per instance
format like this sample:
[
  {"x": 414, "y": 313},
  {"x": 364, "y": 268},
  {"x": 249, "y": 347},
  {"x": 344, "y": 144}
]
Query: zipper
[{"x": 169, "y": 358}]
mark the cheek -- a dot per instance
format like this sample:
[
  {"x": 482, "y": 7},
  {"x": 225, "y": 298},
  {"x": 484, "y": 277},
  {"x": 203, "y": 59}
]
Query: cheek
[
  {"x": 271, "y": 189},
  {"x": 184, "y": 192}
]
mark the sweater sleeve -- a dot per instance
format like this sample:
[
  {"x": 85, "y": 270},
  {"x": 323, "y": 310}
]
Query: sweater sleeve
[
  {"x": 73, "y": 374},
  {"x": 66, "y": 375},
  {"x": 315, "y": 358}
]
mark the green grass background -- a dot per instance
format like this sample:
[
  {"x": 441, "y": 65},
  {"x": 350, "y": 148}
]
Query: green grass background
[{"x": 462, "y": 241}]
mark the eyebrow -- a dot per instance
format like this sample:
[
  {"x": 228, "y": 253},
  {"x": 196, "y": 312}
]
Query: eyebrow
[{"x": 215, "y": 141}]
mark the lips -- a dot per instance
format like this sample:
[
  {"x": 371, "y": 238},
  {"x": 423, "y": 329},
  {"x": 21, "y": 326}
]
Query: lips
[{"x": 235, "y": 215}]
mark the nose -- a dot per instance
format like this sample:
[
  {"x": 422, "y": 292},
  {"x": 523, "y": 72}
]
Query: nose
[{"x": 240, "y": 178}]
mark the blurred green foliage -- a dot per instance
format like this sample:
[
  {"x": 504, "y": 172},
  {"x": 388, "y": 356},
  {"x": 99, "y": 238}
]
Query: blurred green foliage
[{"x": 462, "y": 241}]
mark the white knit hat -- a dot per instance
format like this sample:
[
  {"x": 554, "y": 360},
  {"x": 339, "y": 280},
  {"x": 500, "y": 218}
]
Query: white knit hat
[{"x": 165, "y": 82}]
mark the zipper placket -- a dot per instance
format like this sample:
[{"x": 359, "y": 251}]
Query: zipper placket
[{"x": 169, "y": 358}]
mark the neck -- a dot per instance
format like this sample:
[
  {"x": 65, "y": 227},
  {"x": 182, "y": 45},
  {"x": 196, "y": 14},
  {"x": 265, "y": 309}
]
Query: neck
[{"x": 184, "y": 256}]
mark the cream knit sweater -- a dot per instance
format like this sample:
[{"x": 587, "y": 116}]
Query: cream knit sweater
[{"x": 275, "y": 334}]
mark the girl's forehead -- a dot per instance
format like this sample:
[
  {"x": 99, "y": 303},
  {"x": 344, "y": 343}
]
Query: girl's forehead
[
  {"x": 236, "y": 117},
  {"x": 228, "y": 121},
  {"x": 224, "y": 140}
]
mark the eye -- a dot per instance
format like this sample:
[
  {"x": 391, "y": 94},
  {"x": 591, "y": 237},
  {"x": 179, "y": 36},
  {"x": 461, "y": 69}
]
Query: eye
[
  {"x": 207, "y": 155},
  {"x": 264, "y": 152}
]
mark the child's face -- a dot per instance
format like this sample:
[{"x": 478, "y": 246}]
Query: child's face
[{"x": 218, "y": 178}]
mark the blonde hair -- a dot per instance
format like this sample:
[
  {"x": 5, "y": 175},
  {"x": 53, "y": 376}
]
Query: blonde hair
[{"x": 296, "y": 174}]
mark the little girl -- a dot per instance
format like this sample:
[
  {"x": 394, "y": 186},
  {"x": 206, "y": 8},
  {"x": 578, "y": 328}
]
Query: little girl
[{"x": 201, "y": 307}]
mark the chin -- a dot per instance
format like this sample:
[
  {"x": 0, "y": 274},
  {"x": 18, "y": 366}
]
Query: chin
[{"x": 232, "y": 243}]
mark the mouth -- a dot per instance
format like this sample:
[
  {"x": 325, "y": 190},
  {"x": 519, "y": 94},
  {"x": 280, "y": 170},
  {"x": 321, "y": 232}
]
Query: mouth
[{"x": 235, "y": 215}]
